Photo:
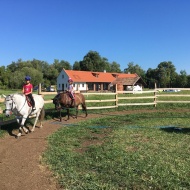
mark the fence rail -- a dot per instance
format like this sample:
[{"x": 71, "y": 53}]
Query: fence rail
[
  {"x": 119, "y": 100},
  {"x": 155, "y": 98}
]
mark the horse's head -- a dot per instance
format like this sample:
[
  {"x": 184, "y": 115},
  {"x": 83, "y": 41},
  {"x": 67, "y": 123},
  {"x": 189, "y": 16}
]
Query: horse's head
[
  {"x": 9, "y": 105},
  {"x": 56, "y": 102}
]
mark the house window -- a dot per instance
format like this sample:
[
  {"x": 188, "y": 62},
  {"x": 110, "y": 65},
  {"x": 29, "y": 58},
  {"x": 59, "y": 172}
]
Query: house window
[
  {"x": 62, "y": 76},
  {"x": 82, "y": 84},
  {"x": 73, "y": 85},
  {"x": 59, "y": 85}
]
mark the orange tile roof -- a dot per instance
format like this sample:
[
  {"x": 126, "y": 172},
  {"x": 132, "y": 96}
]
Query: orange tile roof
[{"x": 90, "y": 76}]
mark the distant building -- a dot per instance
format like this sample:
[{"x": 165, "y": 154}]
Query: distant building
[{"x": 85, "y": 81}]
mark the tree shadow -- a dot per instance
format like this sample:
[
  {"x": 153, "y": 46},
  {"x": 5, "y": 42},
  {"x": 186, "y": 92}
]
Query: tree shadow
[
  {"x": 12, "y": 127},
  {"x": 174, "y": 129},
  {"x": 9, "y": 128}
]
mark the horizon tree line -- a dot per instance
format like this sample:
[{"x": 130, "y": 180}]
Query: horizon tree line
[{"x": 164, "y": 75}]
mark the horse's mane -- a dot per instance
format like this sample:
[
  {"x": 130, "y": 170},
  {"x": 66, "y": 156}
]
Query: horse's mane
[{"x": 15, "y": 94}]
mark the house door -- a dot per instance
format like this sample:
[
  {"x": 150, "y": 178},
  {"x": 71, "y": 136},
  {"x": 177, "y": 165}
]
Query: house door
[
  {"x": 98, "y": 87},
  {"x": 62, "y": 87}
]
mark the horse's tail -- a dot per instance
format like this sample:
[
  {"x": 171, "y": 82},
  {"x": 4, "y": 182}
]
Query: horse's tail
[
  {"x": 84, "y": 105},
  {"x": 84, "y": 108},
  {"x": 42, "y": 114}
]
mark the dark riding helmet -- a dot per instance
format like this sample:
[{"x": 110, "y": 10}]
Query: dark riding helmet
[{"x": 27, "y": 78}]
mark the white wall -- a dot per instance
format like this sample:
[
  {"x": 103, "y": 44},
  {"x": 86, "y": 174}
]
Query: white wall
[
  {"x": 63, "y": 79},
  {"x": 80, "y": 86}
]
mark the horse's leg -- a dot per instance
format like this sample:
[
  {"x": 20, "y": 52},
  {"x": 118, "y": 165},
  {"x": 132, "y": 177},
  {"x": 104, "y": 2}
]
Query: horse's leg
[
  {"x": 68, "y": 113},
  {"x": 21, "y": 126},
  {"x": 23, "y": 122},
  {"x": 37, "y": 116},
  {"x": 41, "y": 117},
  {"x": 76, "y": 111},
  {"x": 19, "y": 129},
  {"x": 20, "y": 132},
  {"x": 60, "y": 117},
  {"x": 25, "y": 129}
]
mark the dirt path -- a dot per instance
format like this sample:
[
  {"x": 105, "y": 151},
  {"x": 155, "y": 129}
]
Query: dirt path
[{"x": 20, "y": 167}]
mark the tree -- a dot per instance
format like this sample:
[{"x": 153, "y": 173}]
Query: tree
[
  {"x": 4, "y": 77},
  {"x": 115, "y": 67},
  {"x": 135, "y": 69},
  {"x": 166, "y": 74},
  {"x": 37, "y": 64},
  {"x": 51, "y": 75},
  {"x": 182, "y": 79},
  {"x": 59, "y": 65},
  {"x": 151, "y": 77},
  {"x": 17, "y": 80},
  {"x": 188, "y": 81},
  {"x": 76, "y": 66},
  {"x": 92, "y": 61}
]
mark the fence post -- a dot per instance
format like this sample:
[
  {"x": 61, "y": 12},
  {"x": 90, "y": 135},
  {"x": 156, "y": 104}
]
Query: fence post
[
  {"x": 1, "y": 121},
  {"x": 155, "y": 93},
  {"x": 39, "y": 89},
  {"x": 116, "y": 97}
]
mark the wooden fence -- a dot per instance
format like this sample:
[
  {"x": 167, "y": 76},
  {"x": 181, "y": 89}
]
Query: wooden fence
[{"x": 154, "y": 97}]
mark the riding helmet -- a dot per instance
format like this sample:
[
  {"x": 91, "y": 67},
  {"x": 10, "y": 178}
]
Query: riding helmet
[
  {"x": 70, "y": 80},
  {"x": 27, "y": 78}
]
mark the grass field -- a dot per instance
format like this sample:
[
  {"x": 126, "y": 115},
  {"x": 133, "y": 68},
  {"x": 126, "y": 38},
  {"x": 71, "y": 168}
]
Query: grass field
[
  {"x": 52, "y": 113},
  {"x": 141, "y": 150},
  {"x": 134, "y": 151}
]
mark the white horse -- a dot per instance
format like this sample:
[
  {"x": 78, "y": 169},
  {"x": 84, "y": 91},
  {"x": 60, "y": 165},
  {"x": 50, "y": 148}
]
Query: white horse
[{"x": 17, "y": 103}]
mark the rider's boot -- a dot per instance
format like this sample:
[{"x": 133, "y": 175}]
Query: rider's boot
[{"x": 33, "y": 107}]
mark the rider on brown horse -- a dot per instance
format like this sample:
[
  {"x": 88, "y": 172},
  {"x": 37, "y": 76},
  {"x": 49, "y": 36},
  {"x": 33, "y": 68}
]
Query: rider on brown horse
[{"x": 71, "y": 91}]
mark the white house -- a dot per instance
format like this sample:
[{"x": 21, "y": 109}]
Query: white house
[{"x": 97, "y": 81}]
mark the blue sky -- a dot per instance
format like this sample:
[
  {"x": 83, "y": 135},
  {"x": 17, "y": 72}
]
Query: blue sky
[{"x": 145, "y": 32}]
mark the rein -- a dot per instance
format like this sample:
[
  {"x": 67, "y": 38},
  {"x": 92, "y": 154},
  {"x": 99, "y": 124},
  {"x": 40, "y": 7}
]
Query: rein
[
  {"x": 13, "y": 102},
  {"x": 11, "y": 105}
]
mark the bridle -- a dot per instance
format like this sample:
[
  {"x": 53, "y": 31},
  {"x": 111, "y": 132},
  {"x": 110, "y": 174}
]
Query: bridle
[
  {"x": 10, "y": 98},
  {"x": 56, "y": 102},
  {"x": 13, "y": 103}
]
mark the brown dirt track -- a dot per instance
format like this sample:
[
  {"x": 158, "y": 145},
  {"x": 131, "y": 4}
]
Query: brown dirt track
[{"x": 20, "y": 159}]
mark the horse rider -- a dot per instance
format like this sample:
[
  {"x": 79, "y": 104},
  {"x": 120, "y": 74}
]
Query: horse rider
[
  {"x": 27, "y": 90},
  {"x": 71, "y": 91}
]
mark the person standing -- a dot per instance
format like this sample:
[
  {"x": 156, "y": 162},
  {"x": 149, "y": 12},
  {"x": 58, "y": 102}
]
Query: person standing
[{"x": 27, "y": 90}]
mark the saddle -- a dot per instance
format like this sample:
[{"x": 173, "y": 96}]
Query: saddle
[
  {"x": 69, "y": 95},
  {"x": 71, "y": 99}
]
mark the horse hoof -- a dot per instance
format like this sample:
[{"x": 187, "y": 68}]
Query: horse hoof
[{"x": 17, "y": 137}]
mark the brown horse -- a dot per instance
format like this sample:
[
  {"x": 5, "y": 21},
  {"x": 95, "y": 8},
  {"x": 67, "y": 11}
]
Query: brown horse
[{"x": 63, "y": 101}]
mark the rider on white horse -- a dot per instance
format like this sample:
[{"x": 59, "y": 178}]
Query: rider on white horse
[
  {"x": 17, "y": 104},
  {"x": 27, "y": 91}
]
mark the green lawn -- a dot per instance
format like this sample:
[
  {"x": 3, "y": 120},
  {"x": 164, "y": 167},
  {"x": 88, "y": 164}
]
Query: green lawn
[{"x": 134, "y": 151}]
